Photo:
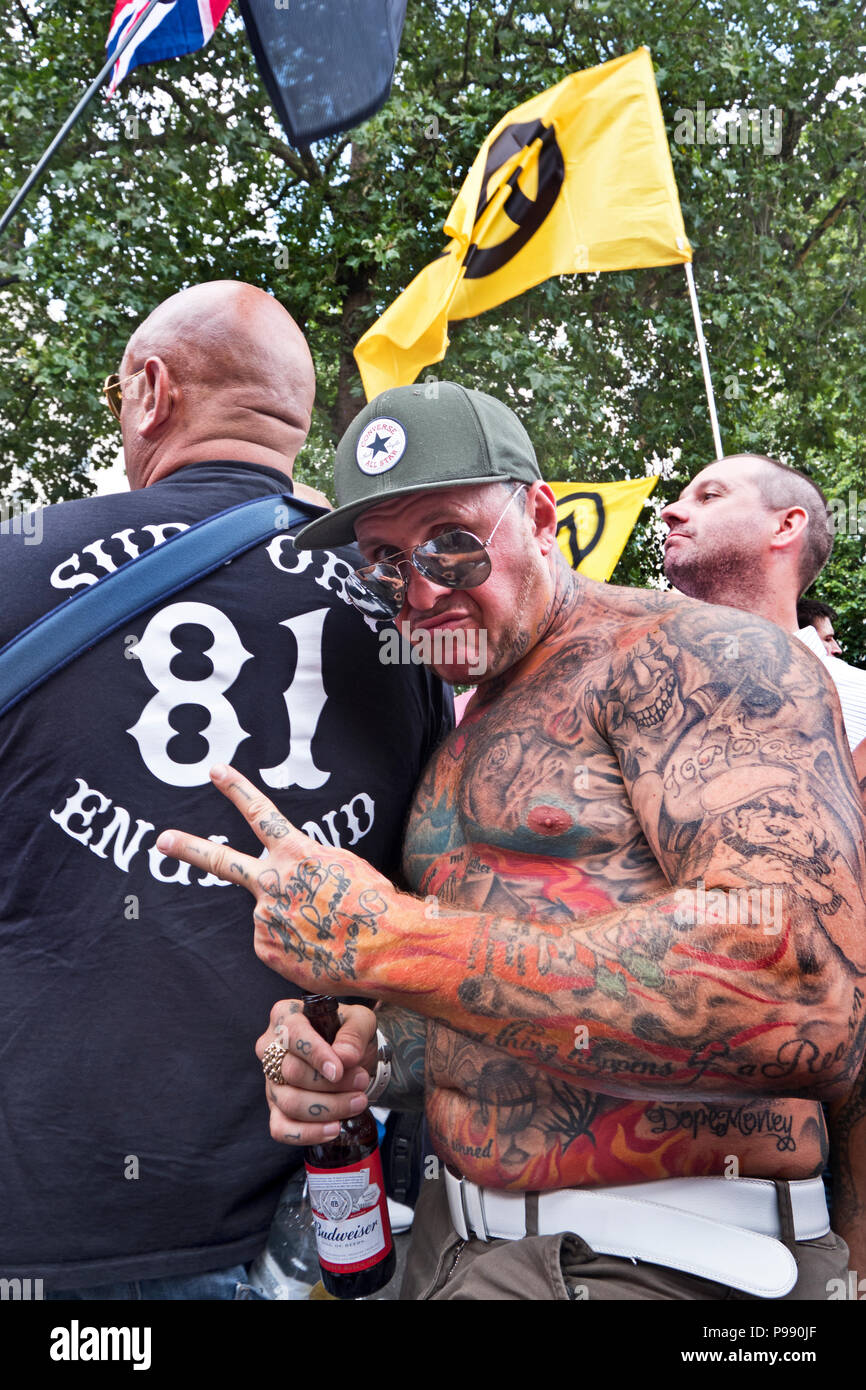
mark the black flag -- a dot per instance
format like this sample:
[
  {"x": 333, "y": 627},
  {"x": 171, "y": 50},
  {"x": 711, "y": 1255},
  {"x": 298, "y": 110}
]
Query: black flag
[{"x": 327, "y": 64}]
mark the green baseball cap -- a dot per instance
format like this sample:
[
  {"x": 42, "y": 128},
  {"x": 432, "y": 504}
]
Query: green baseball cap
[{"x": 417, "y": 439}]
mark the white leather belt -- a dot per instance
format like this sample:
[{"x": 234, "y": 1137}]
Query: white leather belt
[{"x": 725, "y": 1229}]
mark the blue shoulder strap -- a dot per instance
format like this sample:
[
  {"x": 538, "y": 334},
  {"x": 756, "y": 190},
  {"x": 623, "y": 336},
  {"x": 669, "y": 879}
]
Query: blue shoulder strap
[{"x": 58, "y": 637}]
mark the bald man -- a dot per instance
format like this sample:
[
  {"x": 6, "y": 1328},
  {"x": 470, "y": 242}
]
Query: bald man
[
  {"x": 133, "y": 1157},
  {"x": 222, "y": 366}
]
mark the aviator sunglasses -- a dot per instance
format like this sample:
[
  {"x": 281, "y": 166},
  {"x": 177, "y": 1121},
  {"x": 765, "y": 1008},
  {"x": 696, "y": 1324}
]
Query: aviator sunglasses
[
  {"x": 456, "y": 559},
  {"x": 113, "y": 390}
]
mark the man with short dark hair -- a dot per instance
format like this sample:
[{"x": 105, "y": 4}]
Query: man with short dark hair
[
  {"x": 752, "y": 533},
  {"x": 748, "y": 527},
  {"x": 601, "y": 1014},
  {"x": 132, "y": 1161},
  {"x": 811, "y": 612}
]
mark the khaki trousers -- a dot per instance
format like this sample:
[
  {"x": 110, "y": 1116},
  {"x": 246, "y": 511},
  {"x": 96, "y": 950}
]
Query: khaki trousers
[{"x": 563, "y": 1267}]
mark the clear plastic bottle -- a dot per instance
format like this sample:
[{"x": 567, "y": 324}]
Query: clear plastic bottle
[{"x": 288, "y": 1267}]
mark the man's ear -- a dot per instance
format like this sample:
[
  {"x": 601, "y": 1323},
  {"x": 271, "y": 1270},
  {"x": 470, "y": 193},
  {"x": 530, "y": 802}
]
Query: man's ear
[
  {"x": 790, "y": 526},
  {"x": 157, "y": 397},
  {"x": 541, "y": 506}
]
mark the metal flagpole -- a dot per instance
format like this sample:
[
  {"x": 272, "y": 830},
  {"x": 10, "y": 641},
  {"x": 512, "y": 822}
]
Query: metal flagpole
[
  {"x": 85, "y": 100},
  {"x": 705, "y": 361}
]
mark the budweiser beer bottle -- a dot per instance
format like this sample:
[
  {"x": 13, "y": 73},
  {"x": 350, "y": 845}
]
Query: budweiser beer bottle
[{"x": 347, "y": 1191}]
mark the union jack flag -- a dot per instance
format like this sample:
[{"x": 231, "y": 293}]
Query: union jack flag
[{"x": 168, "y": 32}]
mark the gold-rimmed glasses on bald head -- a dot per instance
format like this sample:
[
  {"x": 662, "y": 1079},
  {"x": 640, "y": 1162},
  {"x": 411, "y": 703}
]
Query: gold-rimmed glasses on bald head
[{"x": 113, "y": 390}]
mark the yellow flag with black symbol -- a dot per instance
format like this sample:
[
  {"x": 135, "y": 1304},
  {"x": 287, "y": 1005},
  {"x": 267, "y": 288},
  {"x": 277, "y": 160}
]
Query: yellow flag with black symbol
[
  {"x": 578, "y": 178},
  {"x": 594, "y": 521}
]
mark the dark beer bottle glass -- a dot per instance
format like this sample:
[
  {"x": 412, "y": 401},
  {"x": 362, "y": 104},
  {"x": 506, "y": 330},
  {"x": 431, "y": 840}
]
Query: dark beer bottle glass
[{"x": 347, "y": 1191}]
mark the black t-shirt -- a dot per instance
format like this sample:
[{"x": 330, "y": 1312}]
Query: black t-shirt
[{"x": 134, "y": 1138}]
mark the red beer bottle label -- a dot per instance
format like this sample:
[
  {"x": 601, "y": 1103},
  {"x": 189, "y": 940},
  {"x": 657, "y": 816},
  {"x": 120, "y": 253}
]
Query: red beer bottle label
[{"x": 350, "y": 1214}]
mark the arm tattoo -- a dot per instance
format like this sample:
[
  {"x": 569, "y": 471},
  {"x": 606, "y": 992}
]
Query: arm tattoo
[
  {"x": 747, "y": 976},
  {"x": 407, "y": 1034}
]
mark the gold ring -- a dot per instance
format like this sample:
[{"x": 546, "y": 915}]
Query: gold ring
[{"x": 272, "y": 1063}]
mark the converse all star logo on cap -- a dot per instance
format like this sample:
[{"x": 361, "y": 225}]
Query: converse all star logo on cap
[
  {"x": 380, "y": 445},
  {"x": 457, "y": 438}
]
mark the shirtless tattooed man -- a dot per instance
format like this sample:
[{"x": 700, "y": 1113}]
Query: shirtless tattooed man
[{"x": 630, "y": 961}]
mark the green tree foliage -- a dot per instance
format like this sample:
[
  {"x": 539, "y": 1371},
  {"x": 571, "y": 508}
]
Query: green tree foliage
[{"x": 185, "y": 176}]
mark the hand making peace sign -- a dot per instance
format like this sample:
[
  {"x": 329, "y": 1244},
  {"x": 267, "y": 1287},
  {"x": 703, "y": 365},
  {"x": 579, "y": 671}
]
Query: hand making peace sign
[{"x": 320, "y": 913}]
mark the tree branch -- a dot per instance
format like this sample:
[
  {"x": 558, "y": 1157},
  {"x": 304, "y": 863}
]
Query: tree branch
[
  {"x": 828, "y": 179},
  {"x": 466, "y": 45},
  {"x": 334, "y": 157},
  {"x": 824, "y": 225},
  {"x": 27, "y": 19},
  {"x": 303, "y": 165}
]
